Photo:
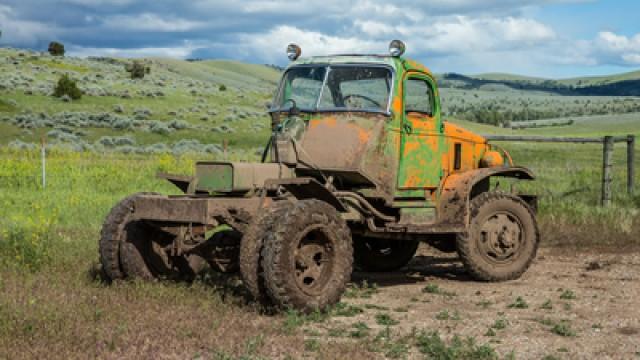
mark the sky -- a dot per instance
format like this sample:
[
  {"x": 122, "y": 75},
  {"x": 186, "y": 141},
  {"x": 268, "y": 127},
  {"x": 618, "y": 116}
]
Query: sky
[{"x": 547, "y": 38}]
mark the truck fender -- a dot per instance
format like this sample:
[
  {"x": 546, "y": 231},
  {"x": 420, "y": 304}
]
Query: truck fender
[
  {"x": 458, "y": 189},
  {"x": 303, "y": 188}
]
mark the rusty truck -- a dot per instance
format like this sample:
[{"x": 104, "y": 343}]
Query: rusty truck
[{"x": 360, "y": 168}]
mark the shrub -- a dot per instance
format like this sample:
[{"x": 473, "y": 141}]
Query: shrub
[
  {"x": 56, "y": 48},
  {"x": 67, "y": 86},
  {"x": 159, "y": 127},
  {"x": 222, "y": 88},
  {"x": 138, "y": 69},
  {"x": 178, "y": 124}
]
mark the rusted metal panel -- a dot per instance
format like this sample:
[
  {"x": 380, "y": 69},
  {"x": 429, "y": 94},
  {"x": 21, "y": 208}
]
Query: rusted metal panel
[{"x": 187, "y": 209}]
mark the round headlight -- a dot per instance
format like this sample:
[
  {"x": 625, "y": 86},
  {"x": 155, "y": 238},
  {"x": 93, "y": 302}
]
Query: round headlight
[
  {"x": 293, "y": 52},
  {"x": 396, "y": 48}
]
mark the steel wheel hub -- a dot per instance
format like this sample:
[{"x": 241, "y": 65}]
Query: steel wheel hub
[
  {"x": 501, "y": 237},
  {"x": 313, "y": 261}
]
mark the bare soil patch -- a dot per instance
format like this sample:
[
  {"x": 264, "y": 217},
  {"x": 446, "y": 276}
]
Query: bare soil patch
[{"x": 570, "y": 305}]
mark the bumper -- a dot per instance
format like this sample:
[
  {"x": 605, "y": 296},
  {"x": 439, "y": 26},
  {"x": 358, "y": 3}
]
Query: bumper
[{"x": 204, "y": 210}]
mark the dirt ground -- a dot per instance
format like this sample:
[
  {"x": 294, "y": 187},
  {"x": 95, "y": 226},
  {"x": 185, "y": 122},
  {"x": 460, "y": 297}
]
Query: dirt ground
[
  {"x": 569, "y": 305},
  {"x": 573, "y": 305}
]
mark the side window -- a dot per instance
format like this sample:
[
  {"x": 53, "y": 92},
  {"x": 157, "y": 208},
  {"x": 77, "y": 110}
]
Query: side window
[{"x": 418, "y": 97}]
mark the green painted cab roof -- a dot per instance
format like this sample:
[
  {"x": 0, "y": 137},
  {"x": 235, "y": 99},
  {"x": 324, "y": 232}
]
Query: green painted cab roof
[{"x": 399, "y": 64}]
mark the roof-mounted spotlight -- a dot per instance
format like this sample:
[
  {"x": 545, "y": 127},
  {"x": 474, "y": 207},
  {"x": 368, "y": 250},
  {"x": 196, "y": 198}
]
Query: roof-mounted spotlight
[
  {"x": 293, "y": 52},
  {"x": 396, "y": 48}
]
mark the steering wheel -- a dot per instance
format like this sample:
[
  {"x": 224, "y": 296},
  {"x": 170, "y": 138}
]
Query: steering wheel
[{"x": 345, "y": 98}]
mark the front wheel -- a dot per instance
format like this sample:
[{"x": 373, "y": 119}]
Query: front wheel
[
  {"x": 502, "y": 239},
  {"x": 308, "y": 257}
]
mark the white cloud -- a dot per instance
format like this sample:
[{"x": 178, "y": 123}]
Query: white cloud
[
  {"x": 374, "y": 28},
  {"x": 618, "y": 48},
  {"x": 170, "y": 52},
  {"x": 151, "y": 22},
  {"x": 273, "y": 43},
  {"x": 25, "y": 32}
]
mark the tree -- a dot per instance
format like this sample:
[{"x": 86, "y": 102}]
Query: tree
[{"x": 56, "y": 48}]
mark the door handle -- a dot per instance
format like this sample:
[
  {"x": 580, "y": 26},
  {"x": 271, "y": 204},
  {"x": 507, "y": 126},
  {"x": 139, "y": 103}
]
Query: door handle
[{"x": 407, "y": 128}]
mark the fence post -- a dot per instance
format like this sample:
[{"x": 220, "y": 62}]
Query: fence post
[
  {"x": 44, "y": 163},
  {"x": 607, "y": 158},
  {"x": 631, "y": 142}
]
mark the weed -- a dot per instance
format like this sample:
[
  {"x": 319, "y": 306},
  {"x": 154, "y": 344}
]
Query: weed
[
  {"x": 519, "y": 303},
  {"x": 435, "y": 289},
  {"x": 346, "y": 310},
  {"x": 375, "y": 307},
  {"x": 401, "y": 309},
  {"x": 311, "y": 345},
  {"x": 443, "y": 315},
  {"x": 547, "y": 305},
  {"x": 338, "y": 332},
  {"x": 294, "y": 319},
  {"x": 365, "y": 290},
  {"x": 385, "y": 320},
  {"x": 431, "y": 345},
  {"x": 500, "y": 324},
  {"x": 431, "y": 289},
  {"x": 485, "y": 304},
  {"x": 545, "y": 321},
  {"x": 567, "y": 295},
  {"x": 563, "y": 329},
  {"x": 360, "y": 330}
]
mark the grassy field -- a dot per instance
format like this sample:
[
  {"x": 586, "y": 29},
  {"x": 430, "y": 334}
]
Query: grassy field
[{"x": 53, "y": 305}]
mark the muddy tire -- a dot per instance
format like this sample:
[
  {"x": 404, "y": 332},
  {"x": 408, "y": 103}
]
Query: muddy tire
[
  {"x": 110, "y": 237},
  {"x": 502, "y": 240},
  {"x": 308, "y": 257},
  {"x": 251, "y": 248},
  {"x": 377, "y": 255},
  {"x": 143, "y": 255}
]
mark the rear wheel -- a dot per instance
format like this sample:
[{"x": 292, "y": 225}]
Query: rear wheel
[
  {"x": 145, "y": 255},
  {"x": 111, "y": 236},
  {"x": 308, "y": 257},
  {"x": 381, "y": 254},
  {"x": 502, "y": 239},
  {"x": 251, "y": 247}
]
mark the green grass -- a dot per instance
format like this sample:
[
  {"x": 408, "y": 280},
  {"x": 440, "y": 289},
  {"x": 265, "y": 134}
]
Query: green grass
[{"x": 433, "y": 346}]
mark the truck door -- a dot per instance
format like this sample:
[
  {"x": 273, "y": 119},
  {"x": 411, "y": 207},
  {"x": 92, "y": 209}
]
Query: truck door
[{"x": 422, "y": 141}]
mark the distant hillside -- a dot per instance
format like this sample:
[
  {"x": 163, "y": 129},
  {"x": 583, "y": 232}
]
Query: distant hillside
[
  {"x": 229, "y": 73},
  {"x": 627, "y": 84},
  {"x": 600, "y": 80},
  {"x": 508, "y": 77}
]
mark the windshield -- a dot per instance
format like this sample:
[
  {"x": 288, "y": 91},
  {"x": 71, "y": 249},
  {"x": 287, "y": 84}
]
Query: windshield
[{"x": 335, "y": 88}]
